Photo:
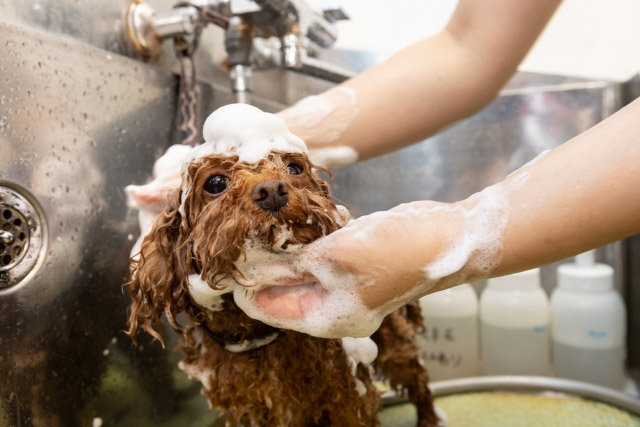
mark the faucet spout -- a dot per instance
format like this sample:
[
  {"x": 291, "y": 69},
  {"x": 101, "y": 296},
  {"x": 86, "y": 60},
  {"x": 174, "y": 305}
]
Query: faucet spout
[{"x": 239, "y": 44}]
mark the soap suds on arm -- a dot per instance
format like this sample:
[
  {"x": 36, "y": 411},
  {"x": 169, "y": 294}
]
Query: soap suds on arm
[
  {"x": 321, "y": 120},
  {"x": 331, "y": 303}
]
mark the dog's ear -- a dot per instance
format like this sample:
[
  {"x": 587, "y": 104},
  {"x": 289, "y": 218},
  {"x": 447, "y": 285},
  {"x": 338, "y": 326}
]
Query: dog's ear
[{"x": 157, "y": 280}]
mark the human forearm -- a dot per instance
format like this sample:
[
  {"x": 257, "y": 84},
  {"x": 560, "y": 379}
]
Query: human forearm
[
  {"x": 581, "y": 195},
  {"x": 429, "y": 85}
]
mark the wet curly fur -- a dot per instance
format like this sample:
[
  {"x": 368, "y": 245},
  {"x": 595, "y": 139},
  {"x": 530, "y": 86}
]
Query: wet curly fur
[{"x": 298, "y": 380}]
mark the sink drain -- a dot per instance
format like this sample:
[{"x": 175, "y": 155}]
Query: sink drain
[{"x": 21, "y": 234}]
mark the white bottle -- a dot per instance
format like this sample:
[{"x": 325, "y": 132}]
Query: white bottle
[
  {"x": 449, "y": 343},
  {"x": 588, "y": 326},
  {"x": 514, "y": 318}
]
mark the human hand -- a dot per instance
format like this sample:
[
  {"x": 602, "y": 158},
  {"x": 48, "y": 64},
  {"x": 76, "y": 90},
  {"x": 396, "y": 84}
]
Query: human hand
[{"x": 345, "y": 283}]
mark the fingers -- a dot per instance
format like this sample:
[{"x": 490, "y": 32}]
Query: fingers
[
  {"x": 355, "y": 275},
  {"x": 290, "y": 302}
]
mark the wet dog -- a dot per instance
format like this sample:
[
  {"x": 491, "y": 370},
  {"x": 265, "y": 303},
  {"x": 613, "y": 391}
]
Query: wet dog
[{"x": 254, "y": 373}]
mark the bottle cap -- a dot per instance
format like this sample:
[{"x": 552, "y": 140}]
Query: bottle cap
[
  {"x": 526, "y": 280},
  {"x": 592, "y": 278}
]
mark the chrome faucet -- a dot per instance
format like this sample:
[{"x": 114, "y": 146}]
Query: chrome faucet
[{"x": 286, "y": 34}]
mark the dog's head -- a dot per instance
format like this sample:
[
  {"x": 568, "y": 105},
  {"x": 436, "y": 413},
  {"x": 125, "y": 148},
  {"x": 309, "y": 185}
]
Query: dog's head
[{"x": 229, "y": 199}]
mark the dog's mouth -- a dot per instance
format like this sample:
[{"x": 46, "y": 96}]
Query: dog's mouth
[{"x": 286, "y": 230}]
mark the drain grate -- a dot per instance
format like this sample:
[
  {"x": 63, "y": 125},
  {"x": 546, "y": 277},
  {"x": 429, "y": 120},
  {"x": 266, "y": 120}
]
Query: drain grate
[
  {"x": 22, "y": 235},
  {"x": 14, "y": 237}
]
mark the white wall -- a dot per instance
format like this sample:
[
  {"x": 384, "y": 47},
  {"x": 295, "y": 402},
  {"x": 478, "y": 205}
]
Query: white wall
[{"x": 586, "y": 38}]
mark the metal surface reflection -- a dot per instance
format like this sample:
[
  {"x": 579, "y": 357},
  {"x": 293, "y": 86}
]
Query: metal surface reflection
[{"x": 79, "y": 124}]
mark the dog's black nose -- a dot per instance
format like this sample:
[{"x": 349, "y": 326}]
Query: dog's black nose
[{"x": 270, "y": 195}]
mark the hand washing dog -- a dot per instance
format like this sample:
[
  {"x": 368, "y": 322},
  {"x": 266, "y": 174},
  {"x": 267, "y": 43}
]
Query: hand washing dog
[{"x": 252, "y": 189}]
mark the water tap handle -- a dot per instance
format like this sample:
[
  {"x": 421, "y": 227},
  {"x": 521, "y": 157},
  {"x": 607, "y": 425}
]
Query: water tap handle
[{"x": 314, "y": 24}]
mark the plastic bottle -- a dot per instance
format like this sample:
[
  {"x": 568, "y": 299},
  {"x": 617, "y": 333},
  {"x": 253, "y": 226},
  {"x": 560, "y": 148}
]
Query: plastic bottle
[
  {"x": 449, "y": 343},
  {"x": 514, "y": 318},
  {"x": 588, "y": 327}
]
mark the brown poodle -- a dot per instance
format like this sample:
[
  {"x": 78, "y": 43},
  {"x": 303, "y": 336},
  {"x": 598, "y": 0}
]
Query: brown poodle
[{"x": 254, "y": 373}]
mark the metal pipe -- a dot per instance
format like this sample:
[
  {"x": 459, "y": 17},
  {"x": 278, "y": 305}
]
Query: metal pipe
[{"x": 178, "y": 22}]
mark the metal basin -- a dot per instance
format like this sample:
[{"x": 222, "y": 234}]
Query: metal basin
[{"x": 521, "y": 400}]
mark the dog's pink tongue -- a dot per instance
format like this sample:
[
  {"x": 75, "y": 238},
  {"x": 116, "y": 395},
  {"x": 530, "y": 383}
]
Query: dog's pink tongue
[{"x": 289, "y": 302}]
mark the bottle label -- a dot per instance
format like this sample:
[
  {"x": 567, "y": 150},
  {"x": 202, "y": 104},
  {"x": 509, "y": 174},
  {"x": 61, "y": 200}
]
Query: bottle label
[{"x": 449, "y": 347}]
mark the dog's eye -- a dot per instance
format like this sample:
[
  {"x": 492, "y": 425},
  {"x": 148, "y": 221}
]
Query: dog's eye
[
  {"x": 216, "y": 184},
  {"x": 294, "y": 169}
]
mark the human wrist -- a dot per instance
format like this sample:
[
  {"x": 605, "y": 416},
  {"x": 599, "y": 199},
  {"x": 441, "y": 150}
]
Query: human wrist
[
  {"x": 478, "y": 249},
  {"x": 321, "y": 120}
]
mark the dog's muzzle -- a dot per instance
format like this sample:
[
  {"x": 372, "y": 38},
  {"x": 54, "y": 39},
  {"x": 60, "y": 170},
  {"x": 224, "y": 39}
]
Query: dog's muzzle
[{"x": 270, "y": 195}]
